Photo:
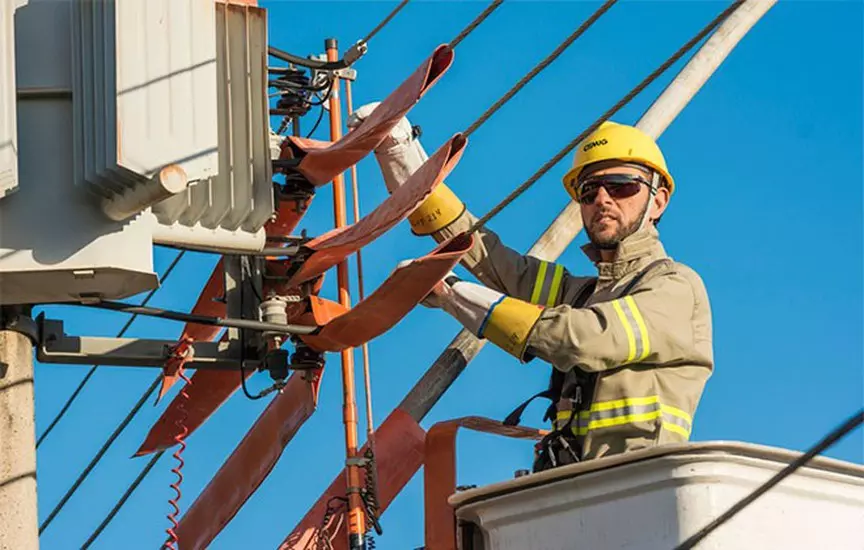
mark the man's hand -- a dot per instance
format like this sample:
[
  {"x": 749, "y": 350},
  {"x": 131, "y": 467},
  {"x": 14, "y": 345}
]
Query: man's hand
[
  {"x": 399, "y": 155},
  {"x": 469, "y": 303}
]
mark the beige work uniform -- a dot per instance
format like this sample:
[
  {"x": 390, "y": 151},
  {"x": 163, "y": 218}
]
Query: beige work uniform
[{"x": 649, "y": 352}]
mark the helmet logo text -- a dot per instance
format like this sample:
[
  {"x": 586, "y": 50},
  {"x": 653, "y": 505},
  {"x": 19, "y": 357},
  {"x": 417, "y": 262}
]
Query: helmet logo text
[{"x": 595, "y": 143}]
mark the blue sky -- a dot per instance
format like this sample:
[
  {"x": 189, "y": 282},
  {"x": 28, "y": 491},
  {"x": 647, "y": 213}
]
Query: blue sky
[{"x": 768, "y": 161}]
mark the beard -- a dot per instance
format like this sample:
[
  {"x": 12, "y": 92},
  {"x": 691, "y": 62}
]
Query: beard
[{"x": 610, "y": 242}]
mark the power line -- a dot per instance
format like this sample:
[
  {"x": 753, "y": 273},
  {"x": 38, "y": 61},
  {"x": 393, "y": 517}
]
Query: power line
[
  {"x": 626, "y": 99},
  {"x": 92, "y": 370},
  {"x": 835, "y": 435},
  {"x": 144, "y": 397},
  {"x": 384, "y": 22},
  {"x": 542, "y": 65},
  {"x": 123, "y": 499},
  {"x": 476, "y": 23}
]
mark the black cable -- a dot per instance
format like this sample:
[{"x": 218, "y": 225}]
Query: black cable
[
  {"x": 123, "y": 499},
  {"x": 540, "y": 66},
  {"x": 626, "y": 99},
  {"x": 826, "y": 442},
  {"x": 197, "y": 319},
  {"x": 326, "y": 97},
  {"x": 92, "y": 370},
  {"x": 317, "y": 122},
  {"x": 476, "y": 23},
  {"x": 141, "y": 401}
]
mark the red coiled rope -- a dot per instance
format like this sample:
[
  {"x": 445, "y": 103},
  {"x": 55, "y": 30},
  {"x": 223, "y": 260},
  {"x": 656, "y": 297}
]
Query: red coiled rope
[{"x": 179, "y": 356}]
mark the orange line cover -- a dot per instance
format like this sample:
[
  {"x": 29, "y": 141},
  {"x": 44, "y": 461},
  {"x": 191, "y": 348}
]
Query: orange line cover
[
  {"x": 335, "y": 246},
  {"x": 322, "y": 161},
  {"x": 248, "y": 465},
  {"x": 399, "y": 454},
  {"x": 396, "y": 296},
  {"x": 209, "y": 389}
]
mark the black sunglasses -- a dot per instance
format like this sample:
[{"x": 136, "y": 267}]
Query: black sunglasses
[{"x": 619, "y": 186}]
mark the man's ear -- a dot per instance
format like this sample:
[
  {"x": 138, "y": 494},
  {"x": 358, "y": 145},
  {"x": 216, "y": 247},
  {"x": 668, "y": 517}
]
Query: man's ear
[{"x": 658, "y": 204}]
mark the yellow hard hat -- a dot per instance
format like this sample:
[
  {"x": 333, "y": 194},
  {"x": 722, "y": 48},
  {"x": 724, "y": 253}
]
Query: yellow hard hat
[{"x": 613, "y": 141}]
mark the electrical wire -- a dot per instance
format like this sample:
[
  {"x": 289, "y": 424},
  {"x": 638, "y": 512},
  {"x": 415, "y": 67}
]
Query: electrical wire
[
  {"x": 834, "y": 436},
  {"x": 317, "y": 122},
  {"x": 353, "y": 54},
  {"x": 141, "y": 401},
  {"x": 120, "y": 503},
  {"x": 626, "y": 99},
  {"x": 384, "y": 22},
  {"x": 120, "y": 334},
  {"x": 476, "y": 23},
  {"x": 540, "y": 66}
]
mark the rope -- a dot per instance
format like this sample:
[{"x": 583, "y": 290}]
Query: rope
[
  {"x": 626, "y": 99},
  {"x": 542, "y": 65},
  {"x": 120, "y": 334},
  {"x": 123, "y": 499},
  {"x": 180, "y": 356},
  {"x": 476, "y": 23},
  {"x": 386, "y": 20},
  {"x": 826, "y": 442},
  {"x": 144, "y": 397}
]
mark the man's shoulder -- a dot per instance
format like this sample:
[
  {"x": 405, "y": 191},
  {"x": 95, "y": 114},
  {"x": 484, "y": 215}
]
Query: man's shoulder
[{"x": 673, "y": 267}]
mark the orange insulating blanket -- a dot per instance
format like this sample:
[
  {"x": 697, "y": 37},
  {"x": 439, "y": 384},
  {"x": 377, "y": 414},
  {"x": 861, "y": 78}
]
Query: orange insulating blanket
[
  {"x": 390, "y": 302},
  {"x": 399, "y": 454},
  {"x": 335, "y": 246},
  {"x": 248, "y": 465},
  {"x": 208, "y": 390},
  {"x": 322, "y": 161}
]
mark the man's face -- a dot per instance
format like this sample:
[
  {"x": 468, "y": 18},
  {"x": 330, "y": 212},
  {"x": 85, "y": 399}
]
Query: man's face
[{"x": 608, "y": 219}]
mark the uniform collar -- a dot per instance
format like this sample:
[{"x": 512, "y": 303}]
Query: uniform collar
[{"x": 633, "y": 253}]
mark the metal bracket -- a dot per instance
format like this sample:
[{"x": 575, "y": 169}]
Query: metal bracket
[
  {"x": 17, "y": 319},
  {"x": 346, "y": 73},
  {"x": 55, "y": 346}
]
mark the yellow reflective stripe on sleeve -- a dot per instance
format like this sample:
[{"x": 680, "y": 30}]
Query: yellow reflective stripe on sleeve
[
  {"x": 556, "y": 285},
  {"x": 646, "y": 343},
  {"x": 631, "y": 340},
  {"x": 538, "y": 282}
]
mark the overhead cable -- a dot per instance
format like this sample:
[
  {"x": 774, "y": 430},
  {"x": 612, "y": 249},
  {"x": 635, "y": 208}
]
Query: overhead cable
[
  {"x": 131, "y": 489},
  {"x": 834, "y": 436},
  {"x": 384, "y": 22},
  {"x": 626, "y": 99},
  {"x": 352, "y": 54},
  {"x": 144, "y": 397},
  {"x": 540, "y": 66},
  {"x": 120, "y": 334},
  {"x": 476, "y": 23}
]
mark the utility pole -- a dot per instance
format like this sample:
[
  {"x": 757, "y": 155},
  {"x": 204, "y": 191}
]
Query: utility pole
[{"x": 18, "y": 512}]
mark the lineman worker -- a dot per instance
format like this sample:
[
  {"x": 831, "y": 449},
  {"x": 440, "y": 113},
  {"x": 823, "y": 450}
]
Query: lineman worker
[{"x": 632, "y": 347}]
